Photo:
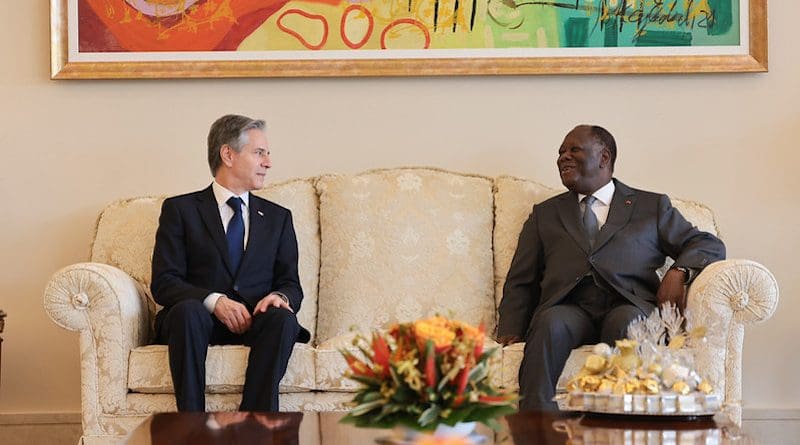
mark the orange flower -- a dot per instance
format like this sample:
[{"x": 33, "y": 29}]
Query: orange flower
[
  {"x": 479, "y": 341},
  {"x": 357, "y": 366},
  {"x": 431, "y": 440},
  {"x": 436, "y": 329}
]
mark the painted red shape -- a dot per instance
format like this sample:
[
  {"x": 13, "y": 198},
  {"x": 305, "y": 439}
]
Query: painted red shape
[
  {"x": 367, "y": 35},
  {"x": 297, "y": 35},
  {"x": 413, "y": 22},
  {"x": 114, "y": 25}
]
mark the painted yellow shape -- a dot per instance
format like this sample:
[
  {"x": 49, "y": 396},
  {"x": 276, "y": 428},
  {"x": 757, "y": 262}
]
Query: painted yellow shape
[
  {"x": 405, "y": 36},
  {"x": 356, "y": 25},
  {"x": 311, "y": 29}
]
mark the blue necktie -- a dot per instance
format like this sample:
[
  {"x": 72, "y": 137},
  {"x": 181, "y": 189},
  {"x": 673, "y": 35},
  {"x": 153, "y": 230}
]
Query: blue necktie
[
  {"x": 235, "y": 234},
  {"x": 590, "y": 219}
]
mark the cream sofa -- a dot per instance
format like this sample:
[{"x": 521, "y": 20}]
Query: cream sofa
[{"x": 375, "y": 247}]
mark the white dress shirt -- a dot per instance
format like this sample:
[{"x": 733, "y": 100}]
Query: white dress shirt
[{"x": 602, "y": 203}]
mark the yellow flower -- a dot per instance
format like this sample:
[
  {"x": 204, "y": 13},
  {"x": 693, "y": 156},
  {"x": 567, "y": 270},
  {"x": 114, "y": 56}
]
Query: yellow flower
[{"x": 436, "y": 329}]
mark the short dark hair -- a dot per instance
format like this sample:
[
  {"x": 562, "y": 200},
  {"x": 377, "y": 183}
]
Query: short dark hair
[
  {"x": 230, "y": 129},
  {"x": 606, "y": 139}
]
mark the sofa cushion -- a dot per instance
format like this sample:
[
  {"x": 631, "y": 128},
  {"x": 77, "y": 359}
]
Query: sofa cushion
[
  {"x": 331, "y": 366},
  {"x": 512, "y": 359},
  {"x": 301, "y": 198},
  {"x": 148, "y": 370},
  {"x": 126, "y": 234},
  {"x": 513, "y": 201},
  {"x": 402, "y": 244}
]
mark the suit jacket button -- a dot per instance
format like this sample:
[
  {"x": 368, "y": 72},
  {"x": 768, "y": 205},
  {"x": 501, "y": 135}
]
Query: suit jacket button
[{"x": 236, "y": 288}]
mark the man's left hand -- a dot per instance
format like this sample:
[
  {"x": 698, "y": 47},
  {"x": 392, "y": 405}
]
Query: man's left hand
[
  {"x": 673, "y": 289},
  {"x": 271, "y": 300}
]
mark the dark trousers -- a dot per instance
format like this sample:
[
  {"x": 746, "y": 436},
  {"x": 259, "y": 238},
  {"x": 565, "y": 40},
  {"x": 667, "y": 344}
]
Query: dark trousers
[
  {"x": 587, "y": 315},
  {"x": 188, "y": 329}
]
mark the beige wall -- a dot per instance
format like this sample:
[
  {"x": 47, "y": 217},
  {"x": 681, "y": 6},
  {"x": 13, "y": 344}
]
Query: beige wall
[{"x": 70, "y": 147}]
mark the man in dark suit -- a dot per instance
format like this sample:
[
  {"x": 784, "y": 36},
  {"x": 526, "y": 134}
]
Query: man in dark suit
[
  {"x": 225, "y": 270},
  {"x": 586, "y": 261}
]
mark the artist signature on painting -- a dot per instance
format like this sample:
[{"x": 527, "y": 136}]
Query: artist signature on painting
[
  {"x": 664, "y": 14},
  {"x": 690, "y": 18}
]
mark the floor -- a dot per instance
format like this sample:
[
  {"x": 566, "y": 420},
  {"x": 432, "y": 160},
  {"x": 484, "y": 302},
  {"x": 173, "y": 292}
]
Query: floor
[
  {"x": 763, "y": 431},
  {"x": 44, "y": 434},
  {"x": 767, "y": 431}
]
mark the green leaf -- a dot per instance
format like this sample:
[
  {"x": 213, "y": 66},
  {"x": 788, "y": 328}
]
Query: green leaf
[
  {"x": 429, "y": 415},
  {"x": 365, "y": 408},
  {"x": 487, "y": 354},
  {"x": 368, "y": 381},
  {"x": 479, "y": 372},
  {"x": 405, "y": 395},
  {"x": 371, "y": 396}
]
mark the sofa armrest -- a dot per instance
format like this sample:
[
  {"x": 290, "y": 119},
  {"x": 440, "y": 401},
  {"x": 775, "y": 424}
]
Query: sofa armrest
[
  {"x": 725, "y": 297},
  {"x": 112, "y": 312}
]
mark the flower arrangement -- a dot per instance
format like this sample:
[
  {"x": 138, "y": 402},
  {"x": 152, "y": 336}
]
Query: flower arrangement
[{"x": 421, "y": 374}]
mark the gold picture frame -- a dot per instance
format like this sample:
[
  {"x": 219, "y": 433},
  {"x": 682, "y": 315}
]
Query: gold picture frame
[{"x": 65, "y": 63}]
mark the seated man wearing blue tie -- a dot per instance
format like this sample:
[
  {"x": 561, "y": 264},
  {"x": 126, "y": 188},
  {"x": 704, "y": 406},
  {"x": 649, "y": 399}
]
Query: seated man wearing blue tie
[
  {"x": 225, "y": 270},
  {"x": 586, "y": 260}
]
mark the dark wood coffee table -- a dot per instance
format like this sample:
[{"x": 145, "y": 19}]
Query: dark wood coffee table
[{"x": 518, "y": 429}]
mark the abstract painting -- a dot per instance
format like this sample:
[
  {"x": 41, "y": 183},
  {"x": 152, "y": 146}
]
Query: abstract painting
[{"x": 215, "y": 38}]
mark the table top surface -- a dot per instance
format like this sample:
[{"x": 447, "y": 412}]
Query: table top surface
[{"x": 519, "y": 429}]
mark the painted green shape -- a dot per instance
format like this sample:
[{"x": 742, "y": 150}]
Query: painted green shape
[
  {"x": 723, "y": 17},
  {"x": 576, "y": 32},
  {"x": 515, "y": 25},
  {"x": 664, "y": 38},
  {"x": 610, "y": 33}
]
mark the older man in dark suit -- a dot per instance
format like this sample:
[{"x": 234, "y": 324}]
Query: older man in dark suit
[
  {"x": 225, "y": 270},
  {"x": 586, "y": 261}
]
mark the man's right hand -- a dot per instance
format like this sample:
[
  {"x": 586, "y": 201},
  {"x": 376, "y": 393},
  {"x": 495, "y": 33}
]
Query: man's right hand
[
  {"x": 509, "y": 339},
  {"x": 233, "y": 314}
]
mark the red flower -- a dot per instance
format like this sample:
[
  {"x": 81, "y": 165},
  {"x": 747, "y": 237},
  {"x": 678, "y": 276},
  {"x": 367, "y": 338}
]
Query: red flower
[
  {"x": 430, "y": 365},
  {"x": 381, "y": 354},
  {"x": 495, "y": 400},
  {"x": 462, "y": 380}
]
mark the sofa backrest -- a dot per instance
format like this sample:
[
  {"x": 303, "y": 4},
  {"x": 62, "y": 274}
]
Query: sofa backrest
[
  {"x": 401, "y": 244},
  {"x": 126, "y": 234},
  {"x": 381, "y": 246}
]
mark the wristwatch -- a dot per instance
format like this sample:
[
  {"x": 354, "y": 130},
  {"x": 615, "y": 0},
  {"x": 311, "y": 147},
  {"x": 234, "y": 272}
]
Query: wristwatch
[{"x": 686, "y": 273}]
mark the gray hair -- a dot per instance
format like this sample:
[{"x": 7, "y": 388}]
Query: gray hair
[{"x": 230, "y": 129}]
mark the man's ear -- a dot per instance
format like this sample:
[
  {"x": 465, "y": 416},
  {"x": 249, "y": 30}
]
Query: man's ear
[
  {"x": 605, "y": 158},
  {"x": 226, "y": 154}
]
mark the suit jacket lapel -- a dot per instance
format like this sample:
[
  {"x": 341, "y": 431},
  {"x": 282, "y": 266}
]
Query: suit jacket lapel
[
  {"x": 209, "y": 212},
  {"x": 619, "y": 213},
  {"x": 260, "y": 225},
  {"x": 569, "y": 212}
]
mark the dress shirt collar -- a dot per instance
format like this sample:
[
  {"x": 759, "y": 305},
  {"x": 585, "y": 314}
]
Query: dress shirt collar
[
  {"x": 603, "y": 194},
  {"x": 222, "y": 195}
]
